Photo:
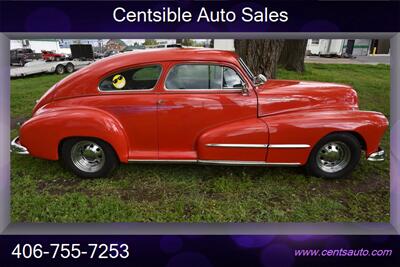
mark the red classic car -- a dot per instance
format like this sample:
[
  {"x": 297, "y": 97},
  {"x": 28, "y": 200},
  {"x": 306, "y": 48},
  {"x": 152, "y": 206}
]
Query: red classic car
[
  {"x": 51, "y": 56},
  {"x": 197, "y": 106}
]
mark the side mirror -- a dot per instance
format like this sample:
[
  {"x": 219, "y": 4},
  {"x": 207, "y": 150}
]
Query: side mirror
[
  {"x": 245, "y": 90},
  {"x": 260, "y": 79}
]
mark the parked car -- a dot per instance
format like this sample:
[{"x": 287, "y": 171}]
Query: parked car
[
  {"x": 197, "y": 106},
  {"x": 22, "y": 55},
  {"x": 52, "y": 56}
]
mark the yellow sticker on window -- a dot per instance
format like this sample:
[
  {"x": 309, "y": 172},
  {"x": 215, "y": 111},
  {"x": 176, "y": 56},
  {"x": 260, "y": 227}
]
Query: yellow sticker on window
[{"x": 119, "y": 81}]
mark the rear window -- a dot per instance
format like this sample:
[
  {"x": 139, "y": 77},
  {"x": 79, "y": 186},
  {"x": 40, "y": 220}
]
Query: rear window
[{"x": 143, "y": 78}]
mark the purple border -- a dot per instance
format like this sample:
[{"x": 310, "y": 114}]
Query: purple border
[{"x": 199, "y": 228}]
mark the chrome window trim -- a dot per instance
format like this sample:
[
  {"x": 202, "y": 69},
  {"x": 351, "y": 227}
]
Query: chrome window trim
[
  {"x": 131, "y": 90},
  {"x": 246, "y": 68},
  {"x": 222, "y": 89}
]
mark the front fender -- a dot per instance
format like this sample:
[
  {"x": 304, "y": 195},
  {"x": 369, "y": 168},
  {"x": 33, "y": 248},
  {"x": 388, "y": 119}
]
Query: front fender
[
  {"x": 308, "y": 127},
  {"x": 42, "y": 134}
]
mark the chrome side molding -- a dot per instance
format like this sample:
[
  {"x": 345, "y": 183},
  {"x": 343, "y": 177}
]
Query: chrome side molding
[
  {"x": 216, "y": 162},
  {"x": 239, "y": 145},
  {"x": 233, "y": 162},
  {"x": 181, "y": 161},
  {"x": 259, "y": 145},
  {"x": 289, "y": 146}
]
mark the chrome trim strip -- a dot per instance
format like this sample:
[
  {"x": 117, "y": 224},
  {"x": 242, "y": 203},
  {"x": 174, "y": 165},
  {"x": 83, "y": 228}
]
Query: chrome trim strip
[
  {"x": 17, "y": 148},
  {"x": 283, "y": 163},
  {"x": 163, "y": 160},
  {"x": 239, "y": 145},
  {"x": 289, "y": 146},
  {"x": 260, "y": 145},
  {"x": 217, "y": 162},
  {"x": 233, "y": 162}
]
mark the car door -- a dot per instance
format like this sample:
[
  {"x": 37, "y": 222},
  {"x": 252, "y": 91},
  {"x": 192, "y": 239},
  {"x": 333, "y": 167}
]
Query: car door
[
  {"x": 196, "y": 99},
  {"x": 130, "y": 96}
]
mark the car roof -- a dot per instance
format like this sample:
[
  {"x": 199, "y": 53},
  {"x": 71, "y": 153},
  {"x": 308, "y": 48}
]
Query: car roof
[
  {"x": 85, "y": 80},
  {"x": 168, "y": 54}
]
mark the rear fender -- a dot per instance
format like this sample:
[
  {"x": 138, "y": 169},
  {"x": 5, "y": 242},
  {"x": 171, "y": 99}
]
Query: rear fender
[{"x": 43, "y": 133}]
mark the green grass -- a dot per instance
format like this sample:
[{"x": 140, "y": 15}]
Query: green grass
[
  {"x": 24, "y": 92},
  {"x": 42, "y": 191}
]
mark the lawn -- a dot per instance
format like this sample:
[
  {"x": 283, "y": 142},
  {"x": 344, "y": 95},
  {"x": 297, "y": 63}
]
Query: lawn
[{"x": 42, "y": 191}]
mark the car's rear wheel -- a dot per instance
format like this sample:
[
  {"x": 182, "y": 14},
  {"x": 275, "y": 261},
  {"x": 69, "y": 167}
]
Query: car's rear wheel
[
  {"x": 88, "y": 157},
  {"x": 334, "y": 156}
]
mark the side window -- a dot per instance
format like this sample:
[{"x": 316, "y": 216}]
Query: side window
[
  {"x": 231, "y": 79},
  {"x": 194, "y": 76},
  {"x": 133, "y": 79}
]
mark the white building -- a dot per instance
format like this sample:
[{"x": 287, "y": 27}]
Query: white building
[
  {"x": 340, "y": 47},
  {"x": 224, "y": 44}
]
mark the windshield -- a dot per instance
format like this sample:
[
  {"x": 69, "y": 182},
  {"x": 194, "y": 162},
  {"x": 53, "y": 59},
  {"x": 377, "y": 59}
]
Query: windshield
[{"x": 248, "y": 71}]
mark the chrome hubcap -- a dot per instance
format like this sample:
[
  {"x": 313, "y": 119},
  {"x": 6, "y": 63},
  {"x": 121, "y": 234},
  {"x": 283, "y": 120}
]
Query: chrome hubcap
[
  {"x": 87, "y": 156},
  {"x": 333, "y": 157}
]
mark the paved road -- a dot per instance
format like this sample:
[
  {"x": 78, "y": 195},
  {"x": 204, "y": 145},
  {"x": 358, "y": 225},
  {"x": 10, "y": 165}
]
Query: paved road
[{"x": 380, "y": 59}]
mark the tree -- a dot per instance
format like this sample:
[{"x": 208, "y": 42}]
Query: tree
[
  {"x": 292, "y": 55},
  {"x": 261, "y": 56},
  {"x": 150, "y": 42},
  {"x": 187, "y": 42}
]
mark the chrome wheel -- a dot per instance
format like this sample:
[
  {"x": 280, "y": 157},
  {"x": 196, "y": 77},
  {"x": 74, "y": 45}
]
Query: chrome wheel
[
  {"x": 87, "y": 156},
  {"x": 333, "y": 157}
]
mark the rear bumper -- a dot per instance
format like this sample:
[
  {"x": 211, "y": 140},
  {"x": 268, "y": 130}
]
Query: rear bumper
[
  {"x": 377, "y": 156},
  {"x": 17, "y": 148}
]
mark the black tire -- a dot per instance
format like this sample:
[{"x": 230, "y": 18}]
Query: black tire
[
  {"x": 110, "y": 158},
  {"x": 70, "y": 68},
  {"x": 60, "y": 69},
  {"x": 346, "y": 142}
]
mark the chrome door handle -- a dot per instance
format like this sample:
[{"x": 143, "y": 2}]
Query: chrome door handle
[{"x": 160, "y": 101}]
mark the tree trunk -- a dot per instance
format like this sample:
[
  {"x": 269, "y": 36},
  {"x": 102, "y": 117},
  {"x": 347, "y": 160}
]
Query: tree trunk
[
  {"x": 292, "y": 56},
  {"x": 261, "y": 56}
]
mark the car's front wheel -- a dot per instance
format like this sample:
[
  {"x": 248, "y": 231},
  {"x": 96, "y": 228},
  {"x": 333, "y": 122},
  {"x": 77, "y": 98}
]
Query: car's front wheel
[
  {"x": 88, "y": 157},
  {"x": 334, "y": 156}
]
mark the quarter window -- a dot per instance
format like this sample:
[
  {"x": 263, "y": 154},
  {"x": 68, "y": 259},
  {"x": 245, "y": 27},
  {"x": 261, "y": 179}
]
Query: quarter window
[
  {"x": 231, "y": 79},
  {"x": 202, "y": 76},
  {"x": 144, "y": 78}
]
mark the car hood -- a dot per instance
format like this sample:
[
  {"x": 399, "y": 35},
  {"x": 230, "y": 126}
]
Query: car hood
[{"x": 280, "y": 96}]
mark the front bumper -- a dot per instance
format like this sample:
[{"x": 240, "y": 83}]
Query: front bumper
[
  {"x": 17, "y": 148},
  {"x": 377, "y": 156}
]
